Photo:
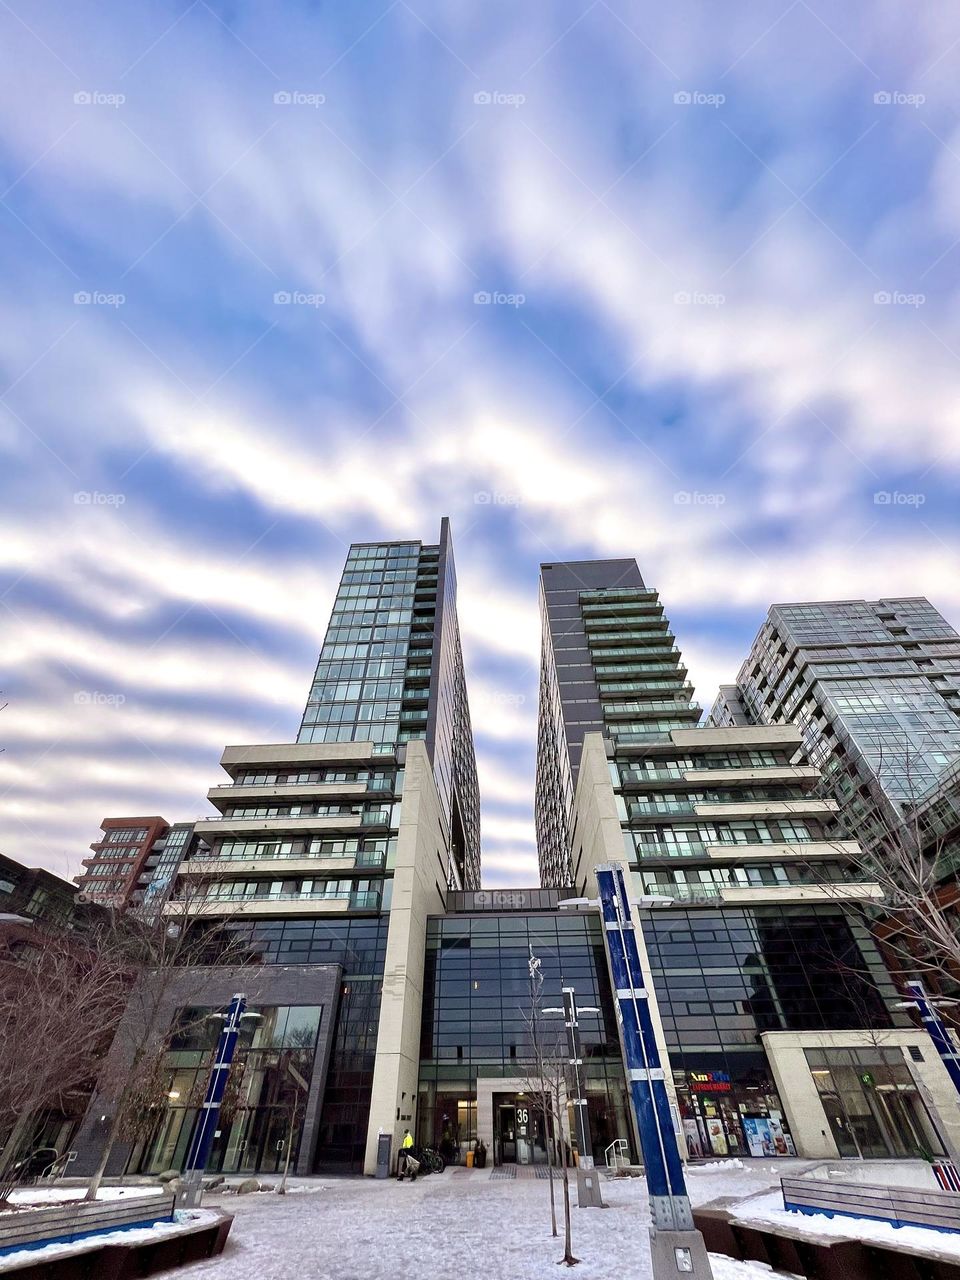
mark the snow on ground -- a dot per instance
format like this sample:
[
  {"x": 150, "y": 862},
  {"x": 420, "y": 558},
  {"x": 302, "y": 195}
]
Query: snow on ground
[
  {"x": 461, "y": 1223},
  {"x": 43, "y": 1197},
  {"x": 133, "y": 1235}
]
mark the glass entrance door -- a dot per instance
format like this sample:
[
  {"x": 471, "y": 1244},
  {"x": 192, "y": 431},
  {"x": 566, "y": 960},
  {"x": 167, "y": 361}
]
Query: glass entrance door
[{"x": 507, "y": 1133}]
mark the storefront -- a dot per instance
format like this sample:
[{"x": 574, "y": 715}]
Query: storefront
[
  {"x": 872, "y": 1103},
  {"x": 731, "y": 1108}
]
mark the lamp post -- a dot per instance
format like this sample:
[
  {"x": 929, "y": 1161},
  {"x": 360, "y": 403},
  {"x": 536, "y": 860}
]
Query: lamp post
[
  {"x": 676, "y": 1247},
  {"x": 936, "y": 1028},
  {"x": 206, "y": 1125},
  {"x": 939, "y": 1033},
  {"x": 588, "y": 1183}
]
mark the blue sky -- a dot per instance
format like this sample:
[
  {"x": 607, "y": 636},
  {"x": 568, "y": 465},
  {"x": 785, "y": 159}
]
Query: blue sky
[{"x": 245, "y": 250}]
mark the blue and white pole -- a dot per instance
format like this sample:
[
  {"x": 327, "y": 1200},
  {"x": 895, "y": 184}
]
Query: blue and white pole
[
  {"x": 675, "y": 1244},
  {"x": 206, "y": 1126},
  {"x": 937, "y": 1030}
]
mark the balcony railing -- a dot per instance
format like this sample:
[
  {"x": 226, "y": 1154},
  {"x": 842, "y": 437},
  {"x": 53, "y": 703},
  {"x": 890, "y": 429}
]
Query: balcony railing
[
  {"x": 351, "y": 859},
  {"x": 367, "y": 901}
]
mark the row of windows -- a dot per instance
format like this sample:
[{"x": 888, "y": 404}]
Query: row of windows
[
  {"x": 374, "y": 779},
  {"x": 380, "y": 649},
  {"x": 766, "y": 873},
  {"x": 296, "y": 887},
  {"x": 328, "y": 847},
  {"x": 372, "y": 813}
]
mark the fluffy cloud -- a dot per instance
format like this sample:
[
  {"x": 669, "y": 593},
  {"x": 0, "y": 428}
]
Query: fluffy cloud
[{"x": 716, "y": 332}]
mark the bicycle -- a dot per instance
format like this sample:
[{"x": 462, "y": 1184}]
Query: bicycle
[{"x": 432, "y": 1161}]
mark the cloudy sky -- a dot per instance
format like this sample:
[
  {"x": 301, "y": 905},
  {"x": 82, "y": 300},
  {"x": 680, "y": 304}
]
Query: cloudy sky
[{"x": 594, "y": 279}]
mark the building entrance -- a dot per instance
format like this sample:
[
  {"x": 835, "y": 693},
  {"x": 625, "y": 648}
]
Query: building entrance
[{"x": 519, "y": 1130}]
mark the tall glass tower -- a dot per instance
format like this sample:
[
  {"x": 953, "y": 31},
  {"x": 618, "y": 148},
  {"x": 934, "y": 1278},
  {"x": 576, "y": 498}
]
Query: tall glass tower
[
  {"x": 874, "y": 688},
  {"x": 391, "y": 671}
]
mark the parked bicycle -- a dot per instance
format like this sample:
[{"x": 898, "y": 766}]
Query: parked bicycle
[{"x": 431, "y": 1161}]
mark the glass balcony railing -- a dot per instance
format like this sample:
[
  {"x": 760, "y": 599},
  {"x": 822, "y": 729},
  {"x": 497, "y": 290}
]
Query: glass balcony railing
[{"x": 359, "y": 901}]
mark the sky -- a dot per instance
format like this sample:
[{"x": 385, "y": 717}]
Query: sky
[{"x": 593, "y": 279}]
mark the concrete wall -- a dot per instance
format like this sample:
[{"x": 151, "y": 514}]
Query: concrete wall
[
  {"x": 419, "y": 881},
  {"x": 151, "y": 1011},
  {"x": 798, "y": 1090}
]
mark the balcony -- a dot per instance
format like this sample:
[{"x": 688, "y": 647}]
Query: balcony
[
  {"x": 766, "y": 808},
  {"x": 280, "y": 904},
  {"x": 798, "y": 850},
  {"x": 284, "y": 791},
  {"x": 642, "y": 779},
  {"x": 298, "y": 864},
  {"x": 650, "y": 710},
  {"x": 213, "y": 828},
  {"x": 748, "y": 774}
]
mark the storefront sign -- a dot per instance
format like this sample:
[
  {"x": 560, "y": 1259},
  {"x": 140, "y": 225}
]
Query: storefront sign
[{"x": 709, "y": 1081}]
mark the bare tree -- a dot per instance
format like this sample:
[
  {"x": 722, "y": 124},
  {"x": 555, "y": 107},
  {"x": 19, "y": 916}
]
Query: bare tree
[
  {"x": 538, "y": 1081},
  {"x": 916, "y": 922},
  {"x": 61, "y": 998},
  {"x": 548, "y": 1084},
  {"x": 158, "y": 952}
]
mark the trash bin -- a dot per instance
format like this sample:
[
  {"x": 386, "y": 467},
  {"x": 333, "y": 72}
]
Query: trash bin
[
  {"x": 469, "y": 1159},
  {"x": 384, "y": 1146}
]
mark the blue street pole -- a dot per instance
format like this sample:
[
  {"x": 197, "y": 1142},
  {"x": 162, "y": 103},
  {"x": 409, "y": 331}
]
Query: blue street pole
[
  {"x": 675, "y": 1244},
  {"x": 937, "y": 1030},
  {"x": 206, "y": 1126}
]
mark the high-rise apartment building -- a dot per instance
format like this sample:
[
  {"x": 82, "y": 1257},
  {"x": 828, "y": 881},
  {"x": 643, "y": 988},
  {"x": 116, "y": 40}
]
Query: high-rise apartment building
[
  {"x": 609, "y": 664},
  {"x": 324, "y": 861},
  {"x": 393, "y": 992},
  {"x": 873, "y": 687},
  {"x": 391, "y": 671},
  {"x": 111, "y": 876},
  {"x": 770, "y": 996}
]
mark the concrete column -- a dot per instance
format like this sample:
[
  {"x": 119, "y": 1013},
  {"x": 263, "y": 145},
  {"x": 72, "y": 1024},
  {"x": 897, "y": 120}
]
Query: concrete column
[{"x": 418, "y": 891}]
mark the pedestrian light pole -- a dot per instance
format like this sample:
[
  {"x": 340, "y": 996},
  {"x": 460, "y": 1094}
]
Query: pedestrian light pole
[
  {"x": 206, "y": 1125},
  {"x": 588, "y": 1182},
  {"x": 936, "y": 1028},
  {"x": 945, "y": 1046},
  {"x": 676, "y": 1247}
]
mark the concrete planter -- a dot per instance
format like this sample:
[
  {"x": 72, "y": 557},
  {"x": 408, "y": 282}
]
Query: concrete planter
[
  {"x": 86, "y": 1260},
  {"x": 74, "y": 1221}
]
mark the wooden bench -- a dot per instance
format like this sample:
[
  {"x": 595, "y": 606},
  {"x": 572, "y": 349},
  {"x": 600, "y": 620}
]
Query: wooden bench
[
  {"x": 901, "y": 1206},
  {"x": 23, "y": 1228}
]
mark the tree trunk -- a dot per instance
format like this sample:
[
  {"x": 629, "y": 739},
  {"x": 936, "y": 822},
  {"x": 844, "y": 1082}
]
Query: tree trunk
[
  {"x": 547, "y": 1118},
  {"x": 111, "y": 1137},
  {"x": 8, "y": 1179},
  {"x": 282, "y": 1189}
]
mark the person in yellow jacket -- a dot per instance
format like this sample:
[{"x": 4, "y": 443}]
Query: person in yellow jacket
[{"x": 406, "y": 1149}]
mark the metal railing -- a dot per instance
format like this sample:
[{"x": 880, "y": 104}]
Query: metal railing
[{"x": 617, "y": 1154}]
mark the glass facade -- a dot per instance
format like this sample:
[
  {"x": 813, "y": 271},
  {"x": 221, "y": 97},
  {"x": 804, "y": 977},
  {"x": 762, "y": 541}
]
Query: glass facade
[
  {"x": 722, "y": 978},
  {"x": 265, "y": 1101},
  {"x": 391, "y": 670},
  {"x": 872, "y": 1103},
  {"x": 873, "y": 686},
  {"x": 475, "y": 1008},
  {"x": 358, "y": 687},
  {"x": 359, "y": 945}
]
